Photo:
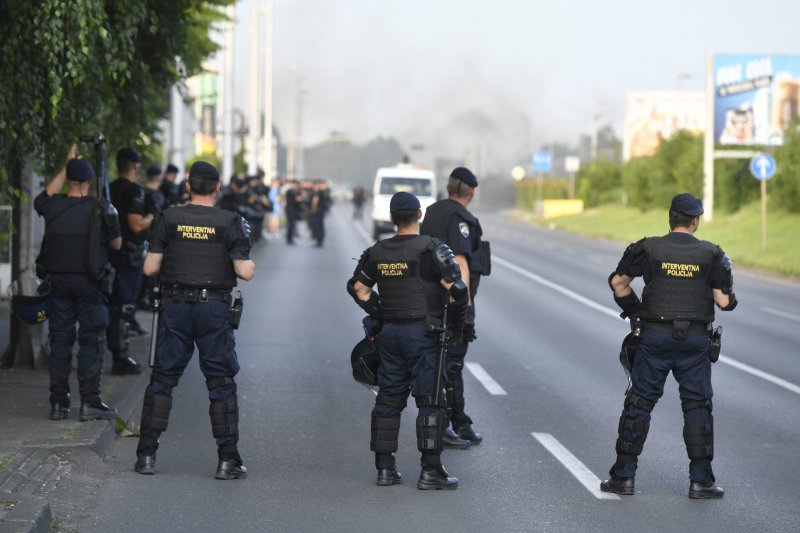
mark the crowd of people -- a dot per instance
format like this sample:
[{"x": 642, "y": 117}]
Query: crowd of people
[{"x": 98, "y": 280}]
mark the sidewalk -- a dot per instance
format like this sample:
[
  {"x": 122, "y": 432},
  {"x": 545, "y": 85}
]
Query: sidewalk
[{"x": 31, "y": 444}]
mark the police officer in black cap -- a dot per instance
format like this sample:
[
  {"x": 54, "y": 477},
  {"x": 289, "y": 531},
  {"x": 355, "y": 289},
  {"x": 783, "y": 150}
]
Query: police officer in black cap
[
  {"x": 684, "y": 277},
  {"x": 169, "y": 186},
  {"x": 135, "y": 218},
  {"x": 154, "y": 202},
  {"x": 416, "y": 275},
  {"x": 79, "y": 232},
  {"x": 451, "y": 222},
  {"x": 198, "y": 251}
]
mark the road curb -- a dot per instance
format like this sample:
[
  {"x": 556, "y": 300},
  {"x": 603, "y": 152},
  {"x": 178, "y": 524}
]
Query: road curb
[{"x": 28, "y": 515}]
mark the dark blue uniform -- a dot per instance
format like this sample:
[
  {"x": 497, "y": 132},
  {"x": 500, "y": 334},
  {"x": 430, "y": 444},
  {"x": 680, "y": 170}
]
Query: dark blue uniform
[
  {"x": 76, "y": 243},
  {"x": 199, "y": 244},
  {"x": 676, "y": 313},
  {"x": 129, "y": 198},
  {"x": 449, "y": 221}
]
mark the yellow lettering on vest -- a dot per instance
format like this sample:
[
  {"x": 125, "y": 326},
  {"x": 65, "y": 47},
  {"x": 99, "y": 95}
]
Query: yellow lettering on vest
[
  {"x": 393, "y": 269},
  {"x": 200, "y": 233}
]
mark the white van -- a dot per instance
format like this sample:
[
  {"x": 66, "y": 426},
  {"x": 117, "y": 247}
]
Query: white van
[{"x": 401, "y": 178}]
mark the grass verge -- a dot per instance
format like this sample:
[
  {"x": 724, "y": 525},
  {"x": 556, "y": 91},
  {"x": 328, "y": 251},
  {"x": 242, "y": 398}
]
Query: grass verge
[{"x": 739, "y": 234}]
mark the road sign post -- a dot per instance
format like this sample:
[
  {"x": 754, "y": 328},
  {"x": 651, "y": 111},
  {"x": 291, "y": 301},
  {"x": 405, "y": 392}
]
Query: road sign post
[
  {"x": 540, "y": 163},
  {"x": 763, "y": 167}
]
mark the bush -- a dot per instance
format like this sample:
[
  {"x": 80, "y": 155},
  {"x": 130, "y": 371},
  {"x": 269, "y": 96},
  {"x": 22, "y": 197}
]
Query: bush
[{"x": 599, "y": 182}]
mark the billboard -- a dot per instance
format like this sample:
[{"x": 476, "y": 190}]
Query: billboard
[
  {"x": 655, "y": 115},
  {"x": 755, "y": 98}
]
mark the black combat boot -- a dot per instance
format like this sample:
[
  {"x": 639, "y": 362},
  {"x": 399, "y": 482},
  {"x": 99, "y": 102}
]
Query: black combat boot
[
  {"x": 464, "y": 430},
  {"x": 229, "y": 469},
  {"x": 145, "y": 464},
  {"x": 59, "y": 411},
  {"x": 123, "y": 365},
  {"x": 452, "y": 440},
  {"x": 435, "y": 477},
  {"x": 618, "y": 485},
  {"x": 97, "y": 411},
  {"x": 389, "y": 476},
  {"x": 699, "y": 491}
]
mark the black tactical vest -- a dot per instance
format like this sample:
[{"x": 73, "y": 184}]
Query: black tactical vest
[
  {"x": 678, "y": 288},
  {"x": 437, "y": 218},
  {"x": 405, "y": 295},
  {"x": 68, "y": 236},
  {"x": 196, "y": 253}
]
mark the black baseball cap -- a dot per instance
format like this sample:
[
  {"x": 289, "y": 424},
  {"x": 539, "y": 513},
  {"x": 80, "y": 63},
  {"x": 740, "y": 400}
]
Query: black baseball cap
[
  {"x": 79, "y": 170},
  {"x": 403, "y": 201},
  {"x": 464, "y": 174},
  {"x": 204, "y": 170},
  {"x": 686, "y": 204}
]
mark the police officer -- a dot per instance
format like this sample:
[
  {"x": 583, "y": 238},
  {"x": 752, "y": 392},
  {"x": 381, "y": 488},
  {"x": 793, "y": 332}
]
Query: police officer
[
  {"x": 684, "y": 277},
  {"x": 449, "y": 221},
  {"x": 414, "y": 275},
  {"x": 129, "y": 199},
  {"x": 154, "y": 202},
  {"x": 198, "y": 251},
  {"x": 78, "y": 233},
  {"x": 169, "y": 186}
]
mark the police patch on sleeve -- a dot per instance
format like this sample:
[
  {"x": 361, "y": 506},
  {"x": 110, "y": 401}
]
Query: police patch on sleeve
[{"x": 463, "y": 227}]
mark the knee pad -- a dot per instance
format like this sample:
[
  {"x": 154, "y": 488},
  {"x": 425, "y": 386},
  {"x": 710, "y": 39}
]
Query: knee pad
[
  {"x": 429, "y": 432},
  {"x": 127, "y": 311},
  {"x": 639, "y": 402},
  {"x": 117, "y": 335},
  {"x": 63, "y": 338},
  {"x": 384, "y": 434},
  {"x": 398, "y": 402},
  {"x": 155, "y": 411}
]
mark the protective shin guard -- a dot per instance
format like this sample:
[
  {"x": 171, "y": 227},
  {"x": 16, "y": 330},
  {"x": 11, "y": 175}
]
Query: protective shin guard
[
  {"x": 429, "y": 432},
  {"x": 632, "y": 433},
  {"x": 455, "y": 390},
  {"x": 384, "y": 434},
  {"x": 117, "y": 333},
  {"x": 699, "y": 439},
  {"x": 155, "y": 412}
]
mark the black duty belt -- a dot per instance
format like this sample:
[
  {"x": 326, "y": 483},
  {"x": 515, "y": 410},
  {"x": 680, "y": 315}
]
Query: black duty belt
[
  {"x": 694, "y": 327},
  {"x": 197, "y": 294}
]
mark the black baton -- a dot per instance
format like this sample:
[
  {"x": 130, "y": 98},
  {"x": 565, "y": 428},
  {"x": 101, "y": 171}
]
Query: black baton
[{"x": 154, "y": 330}]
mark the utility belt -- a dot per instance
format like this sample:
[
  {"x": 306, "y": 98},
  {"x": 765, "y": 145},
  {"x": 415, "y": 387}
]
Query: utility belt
[
  {"x": 196, "y": 294},
  {"x": 679, "y": 328}
]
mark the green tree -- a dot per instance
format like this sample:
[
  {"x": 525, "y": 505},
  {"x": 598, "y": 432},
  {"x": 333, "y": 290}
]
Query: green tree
[{"x": 72, "y": 67}]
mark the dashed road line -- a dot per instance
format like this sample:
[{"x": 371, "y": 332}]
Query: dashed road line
[
  {"x": 613, "y": 313},
  {"x": 486, "y": 380},
  {"x": 782, "y": 314},
  {"x": 574, "y": 465}
]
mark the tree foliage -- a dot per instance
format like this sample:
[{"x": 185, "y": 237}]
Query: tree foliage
[
  {"x": 71, "y": 67},
  {"x": 785, "y": 186},
  {"x": 599, "y": 182}
]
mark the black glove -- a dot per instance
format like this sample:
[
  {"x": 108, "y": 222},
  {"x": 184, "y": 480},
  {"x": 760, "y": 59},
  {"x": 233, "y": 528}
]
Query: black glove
[
  {"x": 469, "y": 332},
  {"x": 110, "y": 216},
  {"x": 456, "y": 323}
]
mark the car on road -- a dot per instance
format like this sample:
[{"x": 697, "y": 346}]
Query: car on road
[{"x": 401, "y": 178}]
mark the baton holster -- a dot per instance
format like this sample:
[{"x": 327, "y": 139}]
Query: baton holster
[
  {"x": 716, "y": 344},
  {"x": 237, "y": 307}
]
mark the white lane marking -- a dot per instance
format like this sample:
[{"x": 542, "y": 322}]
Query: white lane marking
[
  {"x": 555, "y": 286},
  {"x": 575, "y": 467},
  {"x": 760, "y": 373},
  {"x": 486, "y": 380},
  {"x": 612, "y": 313},
  {"x": 780, "y": 313}
]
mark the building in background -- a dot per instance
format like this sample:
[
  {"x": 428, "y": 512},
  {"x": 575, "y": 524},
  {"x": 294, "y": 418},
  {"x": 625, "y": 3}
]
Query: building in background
[{"x": 653, "y": 116}]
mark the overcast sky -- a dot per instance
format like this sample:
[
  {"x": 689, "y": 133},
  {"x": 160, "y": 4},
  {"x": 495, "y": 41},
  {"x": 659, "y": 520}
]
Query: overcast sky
[{"x": 381, "y": 67}]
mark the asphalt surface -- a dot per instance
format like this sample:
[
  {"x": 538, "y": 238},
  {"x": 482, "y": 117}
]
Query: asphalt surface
[{"x": 547, "y": 337}]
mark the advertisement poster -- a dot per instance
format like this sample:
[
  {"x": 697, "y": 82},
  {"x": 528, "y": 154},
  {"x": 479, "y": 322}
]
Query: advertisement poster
[
  {"x": 655, "y": 115},
  {"x": 755, "y": 98}
]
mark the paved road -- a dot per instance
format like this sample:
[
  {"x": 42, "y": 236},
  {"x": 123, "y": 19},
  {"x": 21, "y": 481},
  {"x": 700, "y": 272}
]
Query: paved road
[{"x": 548, "y": 402}]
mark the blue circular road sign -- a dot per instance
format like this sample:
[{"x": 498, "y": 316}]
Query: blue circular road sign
[{"x": 762, "y": 167}]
